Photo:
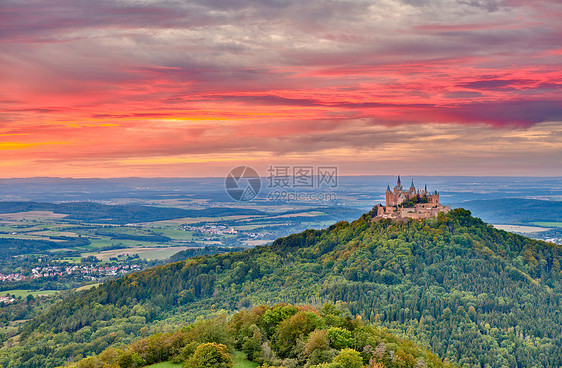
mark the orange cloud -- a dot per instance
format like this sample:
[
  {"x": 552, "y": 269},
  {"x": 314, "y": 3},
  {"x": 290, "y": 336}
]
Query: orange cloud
[{"x": 87, "y": 91}]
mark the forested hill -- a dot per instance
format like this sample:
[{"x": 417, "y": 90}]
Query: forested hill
[
  {"x": 119, "y": 214},
  {"x": 476, "y": 295},
  {"x": 275, "y": 337}
]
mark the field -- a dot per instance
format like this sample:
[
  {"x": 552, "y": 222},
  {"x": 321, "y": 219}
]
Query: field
[
  {"x": 28, "y": 237},
  {"x": 254, "y": 243},
  {"x": 548, "y": 224},
  {"x": 87, "y": 287},
  {"x": 31, "y": 215},
  {"x": 301, "y": 214},
  {"x": 521, "y": 229},
  {"x": 116, "y": 230},
  {"x": 174, "y": 233},
  {"x": 54, "y": 233},
  {"x": 143, "y": 252},
  {"x": 24, "y": 293}
]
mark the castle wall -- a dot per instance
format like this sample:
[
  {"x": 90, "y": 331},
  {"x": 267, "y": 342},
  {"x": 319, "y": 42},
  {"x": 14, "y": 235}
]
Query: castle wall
[{"x": 420, "y": 211}]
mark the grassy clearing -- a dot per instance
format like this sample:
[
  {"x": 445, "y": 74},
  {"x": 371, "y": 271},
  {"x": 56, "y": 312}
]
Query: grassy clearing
[
  {"x": 239, "y": 358},
  {"x": 7, "y": 330},
  {"x": 24, "y": 293},
  {"x": 161, "y": 253},
  {"x": 240, "y": 361},
  {"x": 146, "y": 253},
  {"x": 165, "y": 365},
  {"x": 548, "y": 224},
  {"x": 253, "y": 243},
  {"x": 86, "y": 287}
]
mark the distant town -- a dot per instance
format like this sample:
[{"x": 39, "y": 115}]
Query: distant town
[
  {"x": 222, "y": 230},
  {"x": 93, "y": 271}
]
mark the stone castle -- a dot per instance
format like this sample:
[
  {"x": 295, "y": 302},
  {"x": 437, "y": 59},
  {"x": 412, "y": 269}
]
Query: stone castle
[{"x": 402, "y": 203}]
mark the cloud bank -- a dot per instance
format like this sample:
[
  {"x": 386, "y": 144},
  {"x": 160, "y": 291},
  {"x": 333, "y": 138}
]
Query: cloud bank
[{"x": 121, "y": 88}]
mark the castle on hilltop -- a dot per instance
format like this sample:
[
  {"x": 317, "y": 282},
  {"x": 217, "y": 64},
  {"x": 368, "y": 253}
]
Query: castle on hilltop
[{"x": 402, "y": 203}]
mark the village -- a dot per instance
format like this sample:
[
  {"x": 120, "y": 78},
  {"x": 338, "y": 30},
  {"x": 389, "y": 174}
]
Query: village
[
  {"x": 222, "y": 230},
  {"x": 93, "y": 271}
]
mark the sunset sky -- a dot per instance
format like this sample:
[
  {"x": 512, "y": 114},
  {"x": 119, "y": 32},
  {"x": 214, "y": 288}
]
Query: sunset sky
[{"x": 132, "y": 88}]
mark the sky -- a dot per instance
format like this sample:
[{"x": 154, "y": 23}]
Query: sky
[{"x": 193, "y": 88}]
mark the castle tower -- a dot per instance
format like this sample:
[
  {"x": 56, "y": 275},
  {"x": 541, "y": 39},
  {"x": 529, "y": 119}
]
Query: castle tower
[
  {"x": 434, "y": 198},
  {"x": 412, "y": 188},
  {"x": 398, "y": 187},
  {"x": 390, "y": 197}
]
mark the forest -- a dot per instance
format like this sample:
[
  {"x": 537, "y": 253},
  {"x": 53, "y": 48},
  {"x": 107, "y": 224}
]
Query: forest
[
  {"x": 119, "y": 214},
  {"x": 12, "y": 247},
  {"x": 474, "y": 295},
  {"x": 283, "y": 336}
]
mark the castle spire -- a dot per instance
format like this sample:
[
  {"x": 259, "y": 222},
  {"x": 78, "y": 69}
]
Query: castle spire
[
  {"x": 388, "y": 187},
  {"x": 412, "y": 185},
  {"x": 398, "y": 182}
]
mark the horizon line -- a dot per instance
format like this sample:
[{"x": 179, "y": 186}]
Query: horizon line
[{"x": 222, "y": 177}]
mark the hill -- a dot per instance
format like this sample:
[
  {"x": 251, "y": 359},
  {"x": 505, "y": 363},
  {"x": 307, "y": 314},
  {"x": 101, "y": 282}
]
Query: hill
[
  {"x": 281, "y": 336},
  {"x": 478, "y": 296},
  {"x": 119, "y": 214}
]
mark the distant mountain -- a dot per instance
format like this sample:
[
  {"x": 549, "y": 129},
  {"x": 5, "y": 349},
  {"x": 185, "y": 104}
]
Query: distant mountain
[
  {"x": 476, "y": 295},
  {"x": 119, "y": 214},
  {"x": 515, "y": 210}
]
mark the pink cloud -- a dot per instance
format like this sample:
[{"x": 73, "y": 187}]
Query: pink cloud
[{"x": 79, "y": 82}]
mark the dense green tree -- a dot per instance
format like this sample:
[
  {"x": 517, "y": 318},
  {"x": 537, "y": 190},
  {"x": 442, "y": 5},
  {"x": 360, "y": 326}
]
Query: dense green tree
[
  {"x": 210, "y": 355},
  {"x": 293, "y": 328},
  {"x": 349, "y": 358},
  {"x": 340, "y": 338},
  {"x": 185, "y": 344},
  {"x": 274, "y": 316}
]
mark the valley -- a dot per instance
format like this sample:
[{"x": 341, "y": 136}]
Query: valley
[
  {"x": 469, "y": 292},
  {"x": 71, "y": 271}
]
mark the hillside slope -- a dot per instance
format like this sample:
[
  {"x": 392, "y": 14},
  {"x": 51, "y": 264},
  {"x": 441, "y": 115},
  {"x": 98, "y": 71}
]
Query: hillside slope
[
  {"x": 276, "y": 337},
  {"x": 475, "y": 294}
]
